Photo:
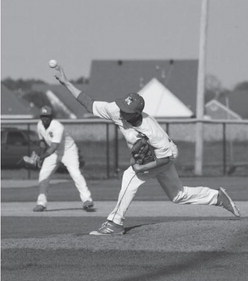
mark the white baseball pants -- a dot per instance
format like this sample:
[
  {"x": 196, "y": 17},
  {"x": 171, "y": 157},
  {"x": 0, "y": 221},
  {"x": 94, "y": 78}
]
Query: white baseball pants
[
  {"x": 71, "y": 161},
  {"x": 169, "y": 180}
]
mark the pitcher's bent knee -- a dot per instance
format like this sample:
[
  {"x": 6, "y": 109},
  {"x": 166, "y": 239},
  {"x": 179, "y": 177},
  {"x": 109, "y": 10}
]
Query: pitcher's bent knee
[
  {"x": 179, "y": 198},
  {"x": 183, "y": 196}
]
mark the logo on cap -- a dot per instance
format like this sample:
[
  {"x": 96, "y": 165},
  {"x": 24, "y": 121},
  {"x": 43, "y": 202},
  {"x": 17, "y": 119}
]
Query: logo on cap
[
  {"x": 132, "y": 103},
  {"x": 129, "y": 100},
  {"x": 46, "y": 111}
]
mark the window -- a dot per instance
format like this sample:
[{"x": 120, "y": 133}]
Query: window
[{"x": 16, "y": 138}]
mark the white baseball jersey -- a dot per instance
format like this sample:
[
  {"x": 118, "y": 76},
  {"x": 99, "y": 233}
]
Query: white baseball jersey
[
  {"x": 158, "y": 138},
  {"x": 55, "y": 133},
  {"x": 166, "y": 175},
  {"x": 67, "y": 153}
]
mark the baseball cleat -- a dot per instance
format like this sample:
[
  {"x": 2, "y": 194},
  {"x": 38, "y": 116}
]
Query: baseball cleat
[
  {"x": 88, "y": 206},
  {"x": 39, "y": 208},
  {"x": 109, "y": 228},
  {"x": 226, "y": 202}
]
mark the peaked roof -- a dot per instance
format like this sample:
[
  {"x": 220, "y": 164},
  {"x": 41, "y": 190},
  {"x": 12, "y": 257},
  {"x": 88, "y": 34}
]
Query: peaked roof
[
  {"x": 62, "y": 94},
  {"x": 61, "y": 109},
  {"x": 15, "y": 108},
  {"x": 111, "y": 79},
  {"x": 160, "y": 102},
  {"x": 217, "y": 110}
]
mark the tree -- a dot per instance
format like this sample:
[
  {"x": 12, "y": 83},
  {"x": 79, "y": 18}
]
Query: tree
[
  {"x": 80, "y": 80},
  {"x": 37, "y": 98},
  {"x": 242, "y": 86},
  {"x": 20, "y": 83},
  {"x": 214, "y": 89}
]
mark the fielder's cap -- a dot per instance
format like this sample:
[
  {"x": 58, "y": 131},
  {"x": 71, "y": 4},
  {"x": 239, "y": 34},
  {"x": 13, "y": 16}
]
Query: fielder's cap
[
  {"x": 46, "y": 111},
  {"x": 132, "y": 103}
]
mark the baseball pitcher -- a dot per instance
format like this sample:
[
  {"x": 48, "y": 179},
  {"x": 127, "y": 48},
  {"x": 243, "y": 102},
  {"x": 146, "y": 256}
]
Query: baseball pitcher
[{"x": 127, "y": 113}]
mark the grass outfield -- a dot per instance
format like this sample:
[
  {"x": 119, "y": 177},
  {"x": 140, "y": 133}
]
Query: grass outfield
[{"x": 104, "y": 190}]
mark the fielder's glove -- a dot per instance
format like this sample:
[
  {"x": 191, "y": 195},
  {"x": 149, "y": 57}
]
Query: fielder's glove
[
  {"x": 32, "y": 162},
  {"x": 142, "y": 152}
]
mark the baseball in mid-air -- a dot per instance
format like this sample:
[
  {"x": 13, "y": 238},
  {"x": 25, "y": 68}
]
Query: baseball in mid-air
[{"x": 52, "y": 63}]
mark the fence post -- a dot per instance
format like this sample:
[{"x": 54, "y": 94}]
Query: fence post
[
  {"x": 199, "y": 148},
  {"x": 224, "y": 147},
  {"x": 116, "y": 151},
  {"x": 29, "y": 151},
  {"x": 107, "y": 148}
]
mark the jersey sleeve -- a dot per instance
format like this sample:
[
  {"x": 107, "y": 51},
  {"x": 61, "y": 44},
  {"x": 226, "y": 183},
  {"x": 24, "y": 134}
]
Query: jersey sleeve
[{"x": 105, "y": 110}]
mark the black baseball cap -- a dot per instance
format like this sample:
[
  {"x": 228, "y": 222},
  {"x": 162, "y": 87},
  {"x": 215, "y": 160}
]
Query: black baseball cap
[
  {"x": 132, "y": 103},
  {"x": 46, "y": 111}
]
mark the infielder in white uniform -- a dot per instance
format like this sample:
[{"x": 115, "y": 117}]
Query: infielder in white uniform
[
  {"x": 128, "y": 115},
  {"x": 59, "y": 147}
]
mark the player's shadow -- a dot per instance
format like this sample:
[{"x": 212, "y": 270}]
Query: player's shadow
[
  {"x": 71, "y": 209},
  {"x": 127, "y": 229}
]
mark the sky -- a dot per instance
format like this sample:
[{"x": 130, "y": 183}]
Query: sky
[{"x": 75, "y": 32}]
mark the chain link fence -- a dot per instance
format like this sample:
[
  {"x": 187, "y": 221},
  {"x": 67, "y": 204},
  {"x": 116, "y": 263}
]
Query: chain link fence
[{"x": 106, "y": 155}]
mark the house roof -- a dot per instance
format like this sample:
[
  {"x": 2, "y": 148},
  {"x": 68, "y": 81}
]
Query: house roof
[
  {"x": 14, "y": 107},
  {"x": 111, "y": 79},
  {"x": 62, "y": 93},
  {"x": 160, "y": 102},
  {"x": 217, "y": 110}
]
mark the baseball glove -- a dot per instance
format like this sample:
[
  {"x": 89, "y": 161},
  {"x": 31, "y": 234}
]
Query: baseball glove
[
  {"x": 32, "y": 162},
  {"x": 142, "y": 152}
]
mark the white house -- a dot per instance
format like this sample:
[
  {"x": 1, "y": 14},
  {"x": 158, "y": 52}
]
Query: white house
[
  {"x": 216, "y": 110},
  {"x": 161, "y": 102}
]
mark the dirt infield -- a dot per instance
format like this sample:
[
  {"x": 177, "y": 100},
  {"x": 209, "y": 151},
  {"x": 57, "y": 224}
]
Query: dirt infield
[
  {"x": 163, "y": 241},
  {"x": 169, "y": 248},
  {"x": 171, "y": 236}
]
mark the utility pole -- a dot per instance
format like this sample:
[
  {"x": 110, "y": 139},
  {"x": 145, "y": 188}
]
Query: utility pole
[{"x": 200, "y": 101}]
